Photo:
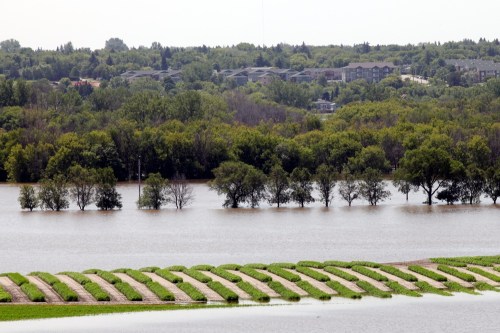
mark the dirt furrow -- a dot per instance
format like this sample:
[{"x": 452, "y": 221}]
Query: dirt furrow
[
  {"x": 203, "y": 288},
  {"x": 290, "y": 285},
  {"x": 420, "y": 277},
  {"x": 348, "y": 284},
  {"x": 318, "y": 284},
  {"x": 257, "y": 284},
  {"x": 228, "y": 284},
  {"x": 83, "y": 295},
  {"x": 17, "y": 294},
  {"x": 50, "y": 295},
  {"x": 179, "y": 295},
  {"x": 147, "y": 295},
  {"x": 113, "y": 293},
  {"x": 450, "y": 277}
]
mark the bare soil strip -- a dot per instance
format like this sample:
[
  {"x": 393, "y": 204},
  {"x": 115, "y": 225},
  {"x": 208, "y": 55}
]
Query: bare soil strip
[
  {"x": 399, "y": 280},
  {"x": 147, "y": 295},
  {"x": 257, "y": 284},
  {"x": 230, "y": 285},
  {"x": 83, "y": 295},
  {"x": 480, "y": 277},
  {"x": 450, "y": 277},
  {"x": 318, "y": 284},
  {"x": 17, "y": 294},
  {"x": 362, "y": 277},
  {"x": 50, "y": 295},
  {"x": 290, "y": 285},
  {"x": 113, "y": 293},
  {"x": 203, "y": 288},
  {"x": 348, "y": 284},
  {"x": 430, "y": 281},
  {"x": 179, "y": 295}
]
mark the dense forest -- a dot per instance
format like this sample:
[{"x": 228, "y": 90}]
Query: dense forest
[{"x": 432, "y": 136}]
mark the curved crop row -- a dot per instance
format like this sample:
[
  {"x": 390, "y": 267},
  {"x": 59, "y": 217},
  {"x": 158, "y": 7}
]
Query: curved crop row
[
  {"x": 372, "y": 290},
  {"x": 312, "y": 273},
  {"x": 256, "y": 294},
  {"x": 169, "y": 276},
  {"x": 203, "y": 267},
  {"x": 130, "y": 293},
  {"x": 457, "y": 287},
  {"x": 480, "y": 261},
  {"x": 176, "y": 268},
  {"x": 283, "y": 291},
  {"x": 231, "y": 267},
  {"x": 192, "y": 292},
  {"x": 483, "y": 286},
  {"x": 368, "y": 272},
  {"x": 425, "y": 272},
  {"x": 109, "y": 277},
  {"x": 340, "y": 273},
  {"x": 33, "y": 293},
  {"x": 255, "y": 274},
  {"x": 226, "y": 275},
  {"x": 455, "y": 272},
  {"x": 138, "y": 276},
  {"x": 66, "y": 293},
  {"x": 313, "y": 291},
  {"x": 309, "y": 263},
  {"x": 226, "y": 293},
  {"x": 5, "y": 296},
  {"x": 96, "y": 291},
  {"x": 160, "y": 291},
  {"x": 150, "y": 269},
  {"x": 448, "y": 261},
  {"x": 256, "y": 266},
  {"x": 120, "y": 270},
  {"x": 287, "y": 265},
  {"x": 427, "y": 288},
  {"x": 491, "y": 276},
  {"x": 197, "y": 275},
  {"x": 336, "y": 263},
  {"x": 366, "y": 264},
  {"x": 17, "y": 278},
  {"x": 342, "y": 290},
  {"x": 78, "y": 277},
  {"x": 282, "y": 273},
  {"x": 402, "y": 290},
  {"x": 400, "y": 274},
  {"x": 46, "y": 277}
]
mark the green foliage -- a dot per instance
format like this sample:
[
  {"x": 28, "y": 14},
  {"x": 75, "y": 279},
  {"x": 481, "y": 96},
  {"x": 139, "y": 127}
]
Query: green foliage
[
  {"x": 91, "y": 271},
  {"x": 340, "y": 273},
  {"x": 154, "y": 194},
  {"x": 130, "y": 293},
  {"x": 342, "y": 290},
  {"x": 27, "y": 197},
  {"x": 283, "y": 291},
  {"x": 457, "y": 287},
  {"x": 150, "y": 269},
  {"x": 372, "y": 290},
  {"x": 226, "y": 275},
  {"x": 53, "y": 193},
  {"x": 480, "y": 261},
  {"x": 167, "y": 275},
  {"x": 5, "y": 297},
  {"x": 106, "y": 196},
  {"x": 372, "y": 187},
  {"x": 326, "y": 178},
  {"x": 78, "y": 277},
  {"x": 256, "y": 294},
  {"x": 484, "y": 273},
  {"x": 483, "y": 286},
  {"x": 366, "y": 264},
  {"x": 109, "y": 277},
  {"x": 17, "y": 278},
  {"x": 197, "y": 275},
  {"x": 160, "y": 291},
  {"x": 66, "y": 293},
  {"x": 425, "y": 272},
  {"x": 256, "y": 266},
  {"x": 138, "y": 276},
  {"x": 283, "y": 273},
  {"x": 301, "y": 186},
  {"x": 202, "y": 267},
  {"x": 96, "y": 291},
  {"x": 255, "y": 274},
  {"x": 448, "y": 261},
  {"x": 399, "y": 289},
  {"x": 120, "y": 270},
  {"x": 232, "y": 267},
  {"x": 287, "y": 265},
  {"x": 47, "y": 277},
  {"x": 368, "y": 272},
  {"x": 177, "y": 268},
  {"x": 336, "y": 263},
  {"x": 308, "y": 263},
  {"x": 396, "y": 272},
  {"x": 83, "y": 183},
  {"x": 457, "y": 273},
  {"x": 33, "y": 293},
  {"x": 192, "y": 292},
  {"x": 313, "y": 291},
  {"x": 219, "y": 288},
  {"x": 312, "y": 273},
  {"x": 427, "y": 288}
]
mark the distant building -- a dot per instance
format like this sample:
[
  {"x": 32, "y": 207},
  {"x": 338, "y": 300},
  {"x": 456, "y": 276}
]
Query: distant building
[
  {"x": 325, "y": 106},
  {"x": 301, "y": 77},
  {"x": 175, "y": 75},
  {"x": 481, "y": 70},
  {"x": 330, "y": 74},
  {"x": 368, "y": 71}
]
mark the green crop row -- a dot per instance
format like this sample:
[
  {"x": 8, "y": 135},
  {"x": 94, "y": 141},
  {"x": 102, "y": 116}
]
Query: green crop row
[
  {"x": 160, "y": 291},
  {"x": 96, "y": 291},
  {"x": 287, "y": 265},
  {"x": 282, "y": 273},
  {"x": 402, "y": 290},
  {"x": 340, "y": 273},
  {"x": 17, "y": 278},
  {"x": 396, "y": 272},
  {"x": 366, "y": 263},
  {"x": 448, "y": 261},
  {"x": 480, "y": 261},
  {"x": 192, "y": 292},
  {"x": 372, "y": 290},
  {"x": 120, "y": 270},
  {"x": 109, "y": 277},
  {"x": 283, "y": 291},
  {"x": 255, "y": 274},
  {"x": 231, "y": 267},
  {"x": 150, "y": 269},
  {"x": 176, "y": 268},
  {"x": 78, "y": 277},
  {"x": 312, "y": 273},
  {"x": 309, "y": 263},
  {"x": 129, "y": 292},
  {"x": 197, "y": 275},
  {"x": 455, "y": 272},
  {"x": 66, "y": 293},
  {"x": 457, "y": 287},
  {"x": 169, "y": 276},
  {"x": 368, "y": 272},
  {"x": 256, "y": 266},
  {"x": 313, "y": 291},
  {"x": 202, "y": 267},
  {"x": 342, "y": 290},
  {"x": 226, "y": 275},
  {"x": 483, "y": 286},
  {"x": 138, "y": 276},
  {"x": 5, "y": 297},
  {"x": 47, "y": 277},
  {"x": 425, "y": 272},
  {"x": 427, "y": 288},
  {"x": 226, "y": 293},
  {"x": 484, "y": 273},
  {"x": 33, "y": 293},
  {"x": 336, "y": 263},
  {"x": 91, "y": 271},
  {"x": 256, "y": 294}
]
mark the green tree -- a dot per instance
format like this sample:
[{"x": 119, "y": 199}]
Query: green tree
[
  {"x": 278, "y": 185},
  {"x": 372, "y": 187},
  {"x": 53, "y": 193},
  {"x": 106, "y": 196},
  {"x": 28, "y": 198},
  {"x": 256, "y": 183},
  {"x": 404, "y": 186},
  {"x": 326, "y": 178},
  {"x": 472, "y": 184},
  {"x": 492, "y": 184},
  {"x": 116, "y": 44},
  {"x": 155, "y": 192},
  {"x": 348, "y": 187},
  {"x": 83, "y": 184},
  {"x": 301, "y": 186}
]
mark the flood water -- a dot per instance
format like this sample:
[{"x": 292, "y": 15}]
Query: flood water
[{"x": 204, "y": 232}]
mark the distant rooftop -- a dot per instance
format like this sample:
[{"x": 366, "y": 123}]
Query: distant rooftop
[{"x": 370, "y": 65}]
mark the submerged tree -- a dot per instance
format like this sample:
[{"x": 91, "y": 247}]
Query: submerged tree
[
  {"x": 404, "y": 186},
  {"x": 492, "y": 184},
  {"x": 83, "y": 182},
  {"x": 348, "y": 188},
  {"x": 179, "y": 191},
  {"x": 472, "y": 185},
  {"x": 372, "y": 187},
  {"x": 53, "y": 193},
  {"x": 301, "y": 186},
  {"x": 278, "y": 186},
  {"x": 155, "y": 192},
  {"x": 28, "y": 198},
  {"x": 256, "y": 184},
  {"x": 450, "y": 194},
  {"x": 106, "y": 196},
  {"x": 326, "y": 178}
]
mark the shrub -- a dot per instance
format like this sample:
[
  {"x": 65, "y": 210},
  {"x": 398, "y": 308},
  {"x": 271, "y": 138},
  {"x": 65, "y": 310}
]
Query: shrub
[
  {"x": 202, "y": 267},
  {"x": 312, "y": 273},
  {"x": 138, "y": 276},
  {"x": 483, "y": 286},
  {"x": 484, "y": 273},
  {"x": 256, "y": 294},
  {"x": 176, "y": 268},
  {"x": 255, "y": 274},
  {"x": 313, "y": 291},
  {"x": 130, "y": 293},
  {"x": 5, "y": 296},
  {"x": 372, "y": 274},
  {"x": 396, "y": 272},
  {"x": 96, "y": 291},
  {"x": 169, "y": 276},
  {"x": 283, "y": 291},
  {"x": 219, "y": 288},
  {"x": 66, "y": 293},
  {"x": 231, "y": 267},
  {"x": 109, "y": 277},
  {"x": 150, "y": 269},
  {"x": 402, "y": 290},
  {"x": 448, "y": 261},
  {"x": 17, "y": 278},
  {"x": 287, "y": 265},
  {"x": 337, "y": 263},
  {"x": 256, "y": 266},
  {"x": 457, "y": 287},
  {"x": 425, "y": 272},
  {"x": 160, "y": 291},
  {"x": 197, "y": 275},
  {"x": 33, "y": 293},
  {"x": 282, "y": 273},
  {"x": 366, "y": 263},
  {"x": 78, "y": 277},
  {"x": 457, "y": 273},
  {"x": 226, "y": 275},
  {"x": 47, "y": 277},
  {"x": 427, "y": 288},
  {"x": 308, "y": 263},
  {"x": 372, "y": 290},
  {"x": 192, "y": 291},
  {"x": 342, "y": 290},
  {"x": 341, "y": 273}
]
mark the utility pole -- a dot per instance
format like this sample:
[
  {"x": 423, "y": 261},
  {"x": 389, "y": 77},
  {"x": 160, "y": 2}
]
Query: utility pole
[{"x": 139, "y": 175}]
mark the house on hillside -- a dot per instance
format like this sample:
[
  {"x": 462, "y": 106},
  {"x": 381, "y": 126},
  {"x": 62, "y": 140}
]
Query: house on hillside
[
  {"x": 159, "y": 75},
  {"x": 481, "y": 70},
  {"x": 368, "y": 71},
  {"x": 330, "y": 74},
  {"x": 325, "y": 106}
]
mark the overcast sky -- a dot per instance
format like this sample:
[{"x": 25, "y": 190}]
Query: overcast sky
[{"x": 89, "y": 23}]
